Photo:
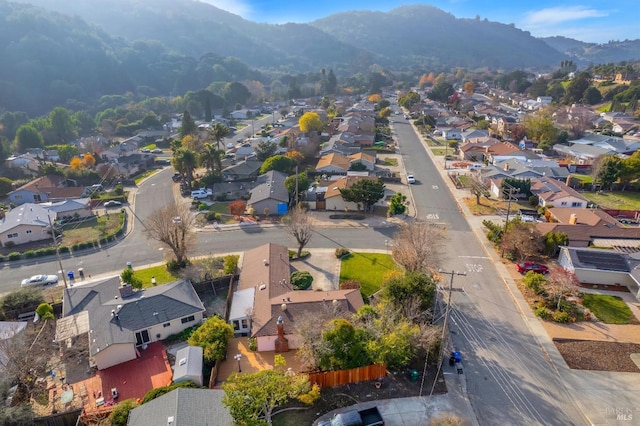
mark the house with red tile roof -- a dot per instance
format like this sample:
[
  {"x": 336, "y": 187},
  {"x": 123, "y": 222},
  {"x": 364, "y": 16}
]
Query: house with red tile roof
[{"x": 264, "y": 295}]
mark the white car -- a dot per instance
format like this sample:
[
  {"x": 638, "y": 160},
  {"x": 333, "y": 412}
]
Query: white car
[
  {"x": 39, "y": 280},
  {"x": 411, "y": 179},
  {"x": 231, "y": 145},
  {"x": 200, "y": 194},
  {"x": 112, "y": 203},
  {"x": 156, "y": 151}
]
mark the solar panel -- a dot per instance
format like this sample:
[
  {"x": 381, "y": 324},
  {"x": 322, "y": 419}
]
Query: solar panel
[{"x": 603, "y": 260}]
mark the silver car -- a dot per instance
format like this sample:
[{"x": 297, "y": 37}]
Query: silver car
[{"x": 40, "y": 280}]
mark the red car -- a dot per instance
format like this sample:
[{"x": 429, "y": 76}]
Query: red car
[{"x": 525, "y": 267}]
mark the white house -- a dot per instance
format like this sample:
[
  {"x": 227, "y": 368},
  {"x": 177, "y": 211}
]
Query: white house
[
  {"x": 551, "y": 192},
  {"x": 118, "y": 320},
  {"x": 26, "y": 223}
]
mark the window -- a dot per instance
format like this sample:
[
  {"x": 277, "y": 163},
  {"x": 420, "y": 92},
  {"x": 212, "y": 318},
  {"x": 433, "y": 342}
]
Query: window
[
  {"x": 236, "y": 325},
  {"x": 166, "y": 324},
  {"x": 188, "y": 319},
  {"x": 37, "y": 198},
  {"x": 28, "y": 231},
  {"x": 244, "y": 324},
  {"x": 576, "y": 204},
  {"x": 14, "y": 235},
  {"x": 18, "y": 197},
  {"x": 564, "y": 203}
]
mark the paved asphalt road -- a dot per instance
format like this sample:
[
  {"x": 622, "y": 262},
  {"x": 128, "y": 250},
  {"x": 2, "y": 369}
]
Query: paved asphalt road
[{"x": 509, "y": 380}]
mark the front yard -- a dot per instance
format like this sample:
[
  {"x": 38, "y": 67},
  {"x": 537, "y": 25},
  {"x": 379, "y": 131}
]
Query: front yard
[
  {"x": 369, "y": 269},
  {"x": 608, "y": 309},
  {"x": 90, "y": 230}
]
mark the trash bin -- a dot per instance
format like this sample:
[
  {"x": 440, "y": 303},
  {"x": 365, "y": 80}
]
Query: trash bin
[
  {"x": 81, "y": 273},
  {"x": 457, "y": 356},
  {"x": 70, "y": 275},
  {"x": 414, "y": 375},
  {"x": 129, "y": 265}
]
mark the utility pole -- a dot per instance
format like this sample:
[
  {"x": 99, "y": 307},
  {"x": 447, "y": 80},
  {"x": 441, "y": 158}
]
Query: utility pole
[
  {"x": 511, "y": 190},
  {"x": 444, "y": 328},
  {"x": 55, "y": 244},
  {"x": 296, "y": 194}
]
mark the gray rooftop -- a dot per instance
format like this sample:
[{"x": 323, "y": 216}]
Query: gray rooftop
[
  {"x": 270, "y": 185},
  {"x": 26, "y": 214},
  {"x": 183, "y": 407}
]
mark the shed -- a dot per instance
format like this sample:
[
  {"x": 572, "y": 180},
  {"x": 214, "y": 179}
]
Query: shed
[{"x": 188, "y": 365}]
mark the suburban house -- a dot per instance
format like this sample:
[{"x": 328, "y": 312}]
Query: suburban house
[
  {"x": 24, "y": 164},
  {"x": 246, "y": 169},
  {"x": 333, "y": 197},
  {"x": 518, "y": 169},
  {"x": 590, "y": 227},
  {"x": 334, "y": 163},
  {"x": 270, "y": 193},
  {"x": 25, "y": 224},
  {"x": 615, "y": 144},
  {"x": 582, "y": 153},
  {"x": 602, "y": 267},
  {"x": 46, "y": 188},
  {"x": 551, "y": 192},
  {"x": 70, "y": 209},
  {"x": 183, "y": 406},
  {"x": 471, "y": 135},
  {"x": 264, "y": 296},
  {"x": 224, "y": 191},
  {"x": 118, "y": 321}
]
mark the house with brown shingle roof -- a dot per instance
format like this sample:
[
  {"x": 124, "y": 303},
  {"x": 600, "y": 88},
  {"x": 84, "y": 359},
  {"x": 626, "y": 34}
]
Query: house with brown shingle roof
[
  {"x": 46, "y": 188},
  {"x": 333, "y": 198},
  {"x": 584, "y": 226},
  {"x": 264, "y": 293},
  {"x": 335, "y": 163},
  {"x": 551, "y": 192}
]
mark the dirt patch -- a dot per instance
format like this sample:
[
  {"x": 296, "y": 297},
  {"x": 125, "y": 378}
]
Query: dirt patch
[
  {"x": 600, "y": 356},
  {"x": 394, "y": 385}
]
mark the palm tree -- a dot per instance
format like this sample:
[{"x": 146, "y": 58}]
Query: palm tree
[
  {"x": 185, "y": 161},
  {"x": 211, "y": 158},
  {"x": 218, "y": 132}
]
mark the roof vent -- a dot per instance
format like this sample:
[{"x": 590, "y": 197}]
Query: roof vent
[
  {"x": 262, "y": 287},
  {"x": 183, "y": 361},
  {"x": 283, "y": 307},
  {"x": 266, "y": 262}
]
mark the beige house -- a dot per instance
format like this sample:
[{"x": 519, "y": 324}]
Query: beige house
[
  {"x": 119, "y": 321},
  {"x": 264, "y": 293},
  {"x": 25, "y": 224},
  {"x": 333, "y": 198},
  {"x": 335, "y": 163},
  {"x": 551, "y": 192}
]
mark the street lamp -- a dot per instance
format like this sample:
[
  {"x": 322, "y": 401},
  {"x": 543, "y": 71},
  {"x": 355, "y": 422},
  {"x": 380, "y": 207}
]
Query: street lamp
[
  {"x": 238, "y": 357},
  {"x": 386, "y": 246}
]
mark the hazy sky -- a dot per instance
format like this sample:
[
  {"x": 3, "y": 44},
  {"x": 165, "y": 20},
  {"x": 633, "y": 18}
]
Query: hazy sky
[{"x": 587, "y": 20}]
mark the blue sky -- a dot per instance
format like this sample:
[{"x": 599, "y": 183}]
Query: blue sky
[{"x": 587, "y": 20}]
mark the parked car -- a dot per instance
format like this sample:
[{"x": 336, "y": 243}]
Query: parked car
[
  {"x": 368, "y": 417},
  {"x": 145, "y": 150},
  {"x": 176, "y": 177},
  {"x": 525, "y": 267},
  {"x": 199, "y": 194},
  {"x": 411, "y": 179},
  {"x": 112, "y": 203},
  {"x": 39, "y": 280},
  {"x": 231, "y": 145},
  {"x": 156, "y": 151}
]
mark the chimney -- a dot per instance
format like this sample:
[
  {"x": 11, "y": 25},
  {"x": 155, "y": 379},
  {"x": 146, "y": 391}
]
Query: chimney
[
  {"x": 573, "y": 219},
  {"x": 506, "y": 167},
  {"x": 126, "y": 290}
]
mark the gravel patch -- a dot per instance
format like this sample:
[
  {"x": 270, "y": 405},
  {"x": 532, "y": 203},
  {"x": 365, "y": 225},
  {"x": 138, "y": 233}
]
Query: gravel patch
[{"x": 600, "y": 356}]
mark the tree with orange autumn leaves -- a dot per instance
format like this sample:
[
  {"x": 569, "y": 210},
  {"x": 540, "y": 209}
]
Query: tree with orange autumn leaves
[{"x": 87, "y": 161}]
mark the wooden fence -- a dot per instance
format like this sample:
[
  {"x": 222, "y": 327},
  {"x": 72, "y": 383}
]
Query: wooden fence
[{"x": 329, "y": 379}]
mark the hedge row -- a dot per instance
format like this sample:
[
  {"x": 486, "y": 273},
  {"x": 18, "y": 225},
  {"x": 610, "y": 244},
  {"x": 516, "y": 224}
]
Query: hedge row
[{"x": 48, "y": 251}]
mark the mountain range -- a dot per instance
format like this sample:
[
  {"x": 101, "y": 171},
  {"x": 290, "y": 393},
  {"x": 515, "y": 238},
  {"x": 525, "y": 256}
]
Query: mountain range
[{"x": 71, "y": 52}]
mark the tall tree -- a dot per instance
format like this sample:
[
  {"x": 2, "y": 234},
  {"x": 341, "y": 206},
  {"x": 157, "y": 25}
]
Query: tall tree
[
  {"x": 188, "y": 126},
  {"x": 419, "y": 247},
  {"x": 365, "y": 191},
  {"x": 173, "y": 226},
  {"x": 218, "y": 132},
  {"x": 575, "y": 90},
  {"x": 61, "y": 126},
  {"x": 211, "y": 158},
  {"x": 300, "y": 227},
  {"x": 310, "y": 121},
  {"x": 265, "y": 149},
  {"x": 332, "y": 83},
  {"x": 28, "y": 137},
  {"x": 185, "y": 161},
  {"x": 212, "y": 336}
]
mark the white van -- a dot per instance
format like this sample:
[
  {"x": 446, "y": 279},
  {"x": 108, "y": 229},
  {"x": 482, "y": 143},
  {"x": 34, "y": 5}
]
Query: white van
[{"x": 475, "y": 166}]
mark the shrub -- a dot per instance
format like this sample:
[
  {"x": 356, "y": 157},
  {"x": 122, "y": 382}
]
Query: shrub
[
  {"x": 211, "y": 216},
  {"x": 154, "y": 393},
  {"x": 75, "y": 247},
  {"x": 341, "y": 251},
  {"x": 231, "y": 264},
  {"x": 120, "y": 415},
  {"x": 301, "y": 280},
  {"x": 253, "y": 344},
  {"x": 29, "y": 254},
  {"x": 174, "y": 266},
  {"x": 203, "y": 207},
  {"x": 63, "y": 249},
  {"x": 543, "y": 313},
  {"x": 182, "y": 336},
  {"x": 534, "y": 281},
  {"x": 15, "y": 255},
  {"x": 562, "y": 317}
]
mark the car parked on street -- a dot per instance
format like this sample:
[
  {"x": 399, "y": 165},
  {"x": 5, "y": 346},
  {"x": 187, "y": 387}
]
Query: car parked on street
[
  {"x": 39, "y": 280},
  {"x": 525, "y": 267},
  {"x": 112, "y": 203},
  {"x": 411, "y": 179},
  {"x": 156, "y": 151}
]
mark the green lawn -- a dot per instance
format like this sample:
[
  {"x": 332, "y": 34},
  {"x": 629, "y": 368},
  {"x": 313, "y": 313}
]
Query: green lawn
[
  {"x": 89, "y": 230},
  {"x": 143, "y": 175},
  {"x": 368, "y": 269},
  {"x": 159, "y": 272},
  {"x": 583, "y": 179},
  {"x": 439, "y": 151},
  {"x": 390, "y": 161},
  {"x": 615, "y": 200},
  {"x": 608, "y": 309}
]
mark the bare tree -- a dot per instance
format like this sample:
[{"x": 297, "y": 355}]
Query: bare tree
[
  {"x": 477, "y": 187},
  {"x": 560, "y": 283},
  {"x": 523, "y": 240},
  {"x": 596, "y": 169},
  {"x": 300, "y": 227},
  {"x": 419, "y": 246},
  {"x": 310, "y": 329},
  {"x": 172, "y": 226}
]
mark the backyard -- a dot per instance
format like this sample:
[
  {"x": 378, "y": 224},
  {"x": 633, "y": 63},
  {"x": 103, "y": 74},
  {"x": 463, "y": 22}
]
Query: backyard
[{"x": 617, "y": 200}]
